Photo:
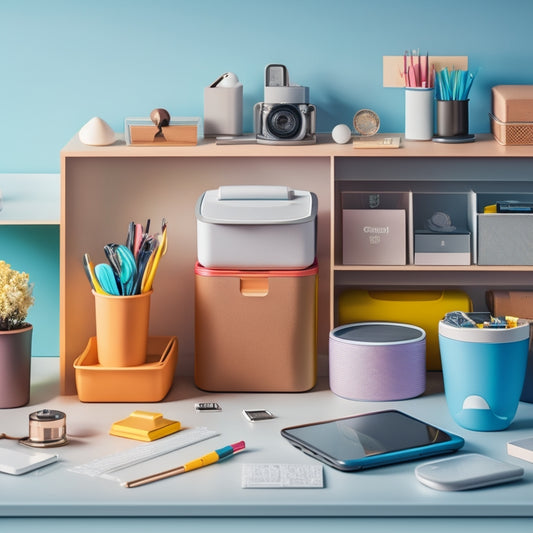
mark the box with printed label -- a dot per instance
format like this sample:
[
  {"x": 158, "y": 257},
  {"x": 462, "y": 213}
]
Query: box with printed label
[
  {"x": 374, "y": 228},
  {"x": 374, "y": 237}
]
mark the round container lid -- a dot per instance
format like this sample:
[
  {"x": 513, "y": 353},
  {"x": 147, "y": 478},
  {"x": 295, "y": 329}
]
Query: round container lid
[
  {"x": 47, "y": 415},
  {"x": 381, "y": 333}
]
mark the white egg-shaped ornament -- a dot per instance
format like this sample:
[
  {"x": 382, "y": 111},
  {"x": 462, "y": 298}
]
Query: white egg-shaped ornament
[
  {"x": 97, "y": 132},
  {"x": 229, "y": 79},
  {"x": 341, "y": 134}
]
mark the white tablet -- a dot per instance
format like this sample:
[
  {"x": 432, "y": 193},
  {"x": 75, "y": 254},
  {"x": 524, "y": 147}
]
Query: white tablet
[{"x": 18, "y": 462}]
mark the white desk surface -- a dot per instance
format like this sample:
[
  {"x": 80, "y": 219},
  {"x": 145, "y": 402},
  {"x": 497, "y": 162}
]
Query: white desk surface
[{"x": 371, "y": 496}]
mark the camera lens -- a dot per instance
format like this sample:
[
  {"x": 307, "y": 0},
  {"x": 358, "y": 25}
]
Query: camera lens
[{"x": 284, "y": 121}]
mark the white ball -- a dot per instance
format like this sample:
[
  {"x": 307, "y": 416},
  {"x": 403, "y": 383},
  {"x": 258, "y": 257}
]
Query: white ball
[{"x": 341, "y": 134}]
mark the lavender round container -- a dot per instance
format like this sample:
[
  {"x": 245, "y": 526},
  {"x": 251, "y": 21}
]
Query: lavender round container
[{"x": 377, "y": 361}]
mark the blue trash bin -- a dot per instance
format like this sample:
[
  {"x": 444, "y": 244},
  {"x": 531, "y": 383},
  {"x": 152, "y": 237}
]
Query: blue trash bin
[{"x": 483, "y": 371}]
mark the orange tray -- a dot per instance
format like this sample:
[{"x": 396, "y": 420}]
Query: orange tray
[{"x": 149, "y": 382}]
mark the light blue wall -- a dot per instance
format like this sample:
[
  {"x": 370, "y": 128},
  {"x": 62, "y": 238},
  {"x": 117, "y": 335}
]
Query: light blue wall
[
  {"x": 35, "y": 250},
  {"x": 64, "y": 61}
]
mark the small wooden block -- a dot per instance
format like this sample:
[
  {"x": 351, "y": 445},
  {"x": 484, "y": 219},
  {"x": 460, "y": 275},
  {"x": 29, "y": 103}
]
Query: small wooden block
[
  {"x": 179, "y": 135},
  {"x": 378, "y": 142}
]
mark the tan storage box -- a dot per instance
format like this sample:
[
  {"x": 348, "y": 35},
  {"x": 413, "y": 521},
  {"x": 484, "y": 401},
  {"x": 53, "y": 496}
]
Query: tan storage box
[
  {"x": 514, "y": 303},
  {"x": 513, "y": 103},
  {"x": 520, "y": 304},
  {"x": 255, "y": 331},
  {"x": 512, "y": 114}
]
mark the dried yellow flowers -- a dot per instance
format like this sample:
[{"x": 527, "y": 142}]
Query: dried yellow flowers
[{"x": 15, "y": 297}]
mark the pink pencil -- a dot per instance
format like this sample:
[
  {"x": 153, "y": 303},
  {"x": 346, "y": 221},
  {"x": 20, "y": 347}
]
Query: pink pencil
[{"x": 424, "y": 71}]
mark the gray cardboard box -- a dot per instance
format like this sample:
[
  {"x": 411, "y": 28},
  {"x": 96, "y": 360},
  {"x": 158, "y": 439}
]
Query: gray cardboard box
[
  {"x": 433, "y": 248},
  {"x": 505, "y": 239},
  {"x": 374, "y": 237}
]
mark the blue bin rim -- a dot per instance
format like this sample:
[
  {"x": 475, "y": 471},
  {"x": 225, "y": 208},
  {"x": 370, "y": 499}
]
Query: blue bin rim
[{"x": 485, "y": 335}]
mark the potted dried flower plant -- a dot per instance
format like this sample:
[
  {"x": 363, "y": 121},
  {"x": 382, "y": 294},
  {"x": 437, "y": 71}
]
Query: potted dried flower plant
[{"x": 16, "y": 297}]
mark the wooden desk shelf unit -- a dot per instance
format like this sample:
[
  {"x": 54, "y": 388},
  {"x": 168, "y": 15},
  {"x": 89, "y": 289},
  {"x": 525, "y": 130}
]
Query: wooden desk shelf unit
[{"x": 104, "y": 188}]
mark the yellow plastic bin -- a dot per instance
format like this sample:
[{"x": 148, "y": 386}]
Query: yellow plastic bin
[{"x": 420, "y": 308}]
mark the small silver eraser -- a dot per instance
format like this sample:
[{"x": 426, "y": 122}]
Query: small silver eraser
[{"x": 207, "y": 406}]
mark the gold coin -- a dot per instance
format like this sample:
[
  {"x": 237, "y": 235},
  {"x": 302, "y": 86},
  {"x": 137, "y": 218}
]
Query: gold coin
[{"x": 366, "y": 122}]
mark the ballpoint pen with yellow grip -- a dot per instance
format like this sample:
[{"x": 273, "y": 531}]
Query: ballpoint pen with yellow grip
[
  {"x": 205, "y": 460},
  {"x": 151, "y": 267},
  {"x": 89, "y": 270}
]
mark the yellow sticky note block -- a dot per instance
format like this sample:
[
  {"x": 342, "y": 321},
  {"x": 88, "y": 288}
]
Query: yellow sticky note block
[{"x": 145, "y": 426}]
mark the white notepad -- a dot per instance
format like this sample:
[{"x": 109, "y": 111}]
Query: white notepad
[
  {"x": 281, "y": 476},
  {"x": 523, "y": 449},
  {"x": 17, "y": 462}
]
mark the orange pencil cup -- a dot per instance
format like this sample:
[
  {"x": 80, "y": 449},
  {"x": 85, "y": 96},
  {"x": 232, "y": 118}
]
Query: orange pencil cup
[{"x": 122, "y": 324}]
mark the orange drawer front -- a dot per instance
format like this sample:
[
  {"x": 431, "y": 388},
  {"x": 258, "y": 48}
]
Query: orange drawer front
[{"x": 255, "y": 331}]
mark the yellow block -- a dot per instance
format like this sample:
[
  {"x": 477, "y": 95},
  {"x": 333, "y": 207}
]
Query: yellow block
[{"x": 145, "y": 426}]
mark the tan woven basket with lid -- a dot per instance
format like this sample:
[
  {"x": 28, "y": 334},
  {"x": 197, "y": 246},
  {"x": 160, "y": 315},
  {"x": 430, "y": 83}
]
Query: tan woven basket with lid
[{"x": 511, "y": 133}]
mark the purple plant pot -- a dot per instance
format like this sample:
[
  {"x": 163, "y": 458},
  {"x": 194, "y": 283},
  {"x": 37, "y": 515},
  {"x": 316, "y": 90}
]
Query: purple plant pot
[{"x": 15, "y": 367}]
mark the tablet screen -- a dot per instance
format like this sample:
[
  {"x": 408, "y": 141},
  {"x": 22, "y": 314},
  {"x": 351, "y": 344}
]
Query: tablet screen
[{"x": 343, "y": 442}]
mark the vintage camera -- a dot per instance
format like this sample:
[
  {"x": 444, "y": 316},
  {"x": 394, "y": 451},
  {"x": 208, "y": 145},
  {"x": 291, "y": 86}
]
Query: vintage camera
[{"x": 285, "y": 117}]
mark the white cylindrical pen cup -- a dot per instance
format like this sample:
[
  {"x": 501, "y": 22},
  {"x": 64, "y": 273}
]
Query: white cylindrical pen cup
[{"x": 419, "y": 113}]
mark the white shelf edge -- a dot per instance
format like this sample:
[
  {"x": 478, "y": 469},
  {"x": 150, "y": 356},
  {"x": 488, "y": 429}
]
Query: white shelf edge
[{"x": 29, "y": 199}]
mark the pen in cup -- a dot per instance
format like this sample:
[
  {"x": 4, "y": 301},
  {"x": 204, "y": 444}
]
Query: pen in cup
[{"x": 205, "y": 460}]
